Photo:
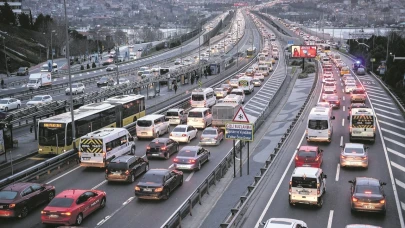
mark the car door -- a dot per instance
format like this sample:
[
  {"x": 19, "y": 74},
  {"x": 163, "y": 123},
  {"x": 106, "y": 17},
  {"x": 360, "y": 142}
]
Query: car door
[
  {"x": 193, "y": 132},
  {"x": 29, "y": 198},
  {"x": 41, "y": 195},
  {"x": 82, "y": 205},
  {"x": 93, "y": 201},
  {"x": 12, "y": 103},
  {"x": 136, "y": 165},
  {"x": 169, "y": 147},
  {"x": 204, "y": 154}
]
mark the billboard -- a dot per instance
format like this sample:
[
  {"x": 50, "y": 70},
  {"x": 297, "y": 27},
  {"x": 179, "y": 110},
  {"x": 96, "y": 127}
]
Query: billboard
[
  {"x": 303, "y": 51},
  {"x": 240, "y": 4}
]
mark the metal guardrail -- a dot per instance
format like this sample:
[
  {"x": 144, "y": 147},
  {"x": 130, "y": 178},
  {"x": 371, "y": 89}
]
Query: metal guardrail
[{"x": 237, "y": 213}]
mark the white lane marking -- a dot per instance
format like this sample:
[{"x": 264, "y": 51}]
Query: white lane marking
[
  {"x": 393, "y": 132},
  {"x": 344, "y": 108},
  {"x": 377, "y": 104},
  {"x": 396, "y": 153},
  {"x": 343, "y": 91},
  {"x": 337, "y": 172},
  {"x": 341, "y": 141},
  {"x": 387, "y": 117},
  {"x": 330, "y": 219},
  {"x": 103, "y": 182},
  {"x": 390, "y": 112},
  {"x": 63, "y": 175},
  {"x": 252, "y": 110},
  {"x": 374, "y": 97},
  {"x": 259, "y": 95},
  {"x": 189, "y": 176},
  {"x": 258, "y": 103},
  {"x": 343, "y": 122},
  {"x": 378, "y": 100},
  {"x": 374, "y": 89},
  {"x": 344, "y": 98},
  {"x": 128, "y": 200},
  {"x": 258, "y": 98},
  {"x": 115, "y": 212},
  {"x": 400, "y": 183},
  {"x": 171, "y": 166},
  {"x": 403, "y": 206},
  {"x": 394, "y": 141},
  {"x": 278, "y": 185},
  {"x": 390, "y": 124},
  {"x": 398, "y": 166}
]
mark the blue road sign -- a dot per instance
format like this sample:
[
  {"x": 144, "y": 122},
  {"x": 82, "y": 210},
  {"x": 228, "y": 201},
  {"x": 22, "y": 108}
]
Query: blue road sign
[
  {"x": 239, "y": 131},
  {"x": 290, "y": 42}
]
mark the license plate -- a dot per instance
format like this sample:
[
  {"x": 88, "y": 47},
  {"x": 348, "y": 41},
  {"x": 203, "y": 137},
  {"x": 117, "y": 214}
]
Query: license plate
[
  {"x": 357, "y": 132},
  {"x": 368, "y": 207},
  {"x": 53, "y": 216},
  {"x": 147, "y": 189},
  {"x": 303, "y": 193},
  {"x": 85, "y": 158},
  {"x": 117, "y": 173},
  {"x": 1, "y": 206},
  {"x": 306, "y": 165},
  {"x": 156, "y": 155},
  {"x": 143, "y": 133}
]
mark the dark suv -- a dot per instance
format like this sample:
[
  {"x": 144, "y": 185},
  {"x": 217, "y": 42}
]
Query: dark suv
[
  {"x": 126, "y": 168},
  {"x": 105, "y": 81},
  {"x": 23, "y": 71},
  {"x": 162, "y": 148}
]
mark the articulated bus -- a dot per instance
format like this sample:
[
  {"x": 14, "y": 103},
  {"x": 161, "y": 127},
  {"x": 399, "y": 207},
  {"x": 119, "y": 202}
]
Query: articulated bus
[
  {"x": 55, "y": 133},
  {"x": 250, "y": 52}
]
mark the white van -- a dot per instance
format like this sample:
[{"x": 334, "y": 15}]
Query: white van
[
  {"x": 264, "y": 69},
  {"x": 203, "y": 98},
  {"x": 233, "y": 98},
  {"x": 152, "y": 126},
  {"x": 307, "y": 186},
  {"x": 246, "y": 84},
  {"x": 319, "y": 126},
  {"x": 45, "y": 68},
  {"x": 362, "y": 124},
  {"x": 98, "y": 148},
  {"x": 199, "y": 117}
]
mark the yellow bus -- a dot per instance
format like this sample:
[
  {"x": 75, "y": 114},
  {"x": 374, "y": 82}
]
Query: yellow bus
[
  {"x": 55, "y": 133},
  {"x": 133, "y": 107}
]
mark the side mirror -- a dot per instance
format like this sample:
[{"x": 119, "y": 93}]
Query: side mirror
[
  {"x": 131, "y": 139},
  {"x": 262, "y": 223},
  {"x": 351, "y": 182},
  {"x": 367, "y": 147},
  {"x": 349, "y": 108},
  {"x": 348, "y": 117},
  {"x": 325, "y": 176},
  {"x": 321, "y": 150},
  {"x": 383, "y": 183},
  {"x": 333, "y": 117}
]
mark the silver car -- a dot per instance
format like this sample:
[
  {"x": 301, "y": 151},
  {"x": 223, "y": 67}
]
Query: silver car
[
  {"x": 355, "y": 155},
  {"x": 191, "y": 158},
  {"x": 211, "y": 136},
  {"x": 361, "y": 226},
  {"x": 257, "y": 82}
]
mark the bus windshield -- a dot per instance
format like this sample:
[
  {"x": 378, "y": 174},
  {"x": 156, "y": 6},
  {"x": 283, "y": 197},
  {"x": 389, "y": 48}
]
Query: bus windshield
[
  {"x": 362, "y": 122},
  {"x": 48, "y": 135},
  {"x": 318, "y": 124}
]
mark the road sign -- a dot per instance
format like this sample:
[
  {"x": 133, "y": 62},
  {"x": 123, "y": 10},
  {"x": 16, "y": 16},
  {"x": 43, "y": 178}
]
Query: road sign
[
  {"x": 290, "y": 42},
  {"x": 239, "y": 131},
  {"x": 240, "y": 116},
  {"x": 53, "y": 51}
]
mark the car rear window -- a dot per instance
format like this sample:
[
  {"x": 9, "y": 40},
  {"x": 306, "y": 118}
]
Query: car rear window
[
  {"x": 8, "y": 195},
  {"x": 304, "y": 154},
  {"x": 172, "y": 114},
  {"x": 195, "y": 114},
  {"x": 144, "y": 123},
  {"x": 358, "y": 91},
  {"x": 354, "y": 151},
  {"x": 303, "y": 182},
  {"x": 186, "y": 153},
  {"x": 367, "y": 189},
  {"x": 153, "y": 178},
  {"x": 117, "y": 166},
  {"x": 209, "y": 132},
  {"x": 61, "y": 202},
  {"x": 179, "y": 129}
]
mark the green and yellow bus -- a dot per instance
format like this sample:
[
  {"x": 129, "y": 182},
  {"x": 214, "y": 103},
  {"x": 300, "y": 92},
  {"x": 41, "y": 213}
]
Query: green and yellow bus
[{"x": 55, "y": 133}]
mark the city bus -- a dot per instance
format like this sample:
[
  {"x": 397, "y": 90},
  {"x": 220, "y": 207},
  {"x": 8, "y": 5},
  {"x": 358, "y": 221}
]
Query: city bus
[
  {"x": 250, "y": 52},
  {"x": 133, "y": 107},
  {"x": 55, "y": 133}
]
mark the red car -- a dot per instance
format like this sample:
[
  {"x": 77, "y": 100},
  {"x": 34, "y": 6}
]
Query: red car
[
  {"x": 70, "y": 207},
  {"x": 309, "y": 156}
]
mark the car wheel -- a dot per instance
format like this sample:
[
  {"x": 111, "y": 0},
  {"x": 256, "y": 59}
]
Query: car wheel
[
  {"x": 320, "y": 202},
  {"x": 51, "y": 195},
  {"x": 18, "y": 106},
  {"x": 167, "y": 156},
  {"x": 132, "y": 152},
  {"x": 181, "y": 181},
  {"x": 188, "y": 140},
  {"x": 132, "y": 178},
  {"x": 24, "y": 212},
  {"x": 177, "y": 149},
  {"x": 167, "y": 194},
  {"x": 6, "y": 109},
  {"x": 199, "y": 166},
  {"x": 79, "y": 219},
  {"x": 102, "y": 203},
  {"x": 168, "y": 130},
  {"x": 146, "y": 168}
]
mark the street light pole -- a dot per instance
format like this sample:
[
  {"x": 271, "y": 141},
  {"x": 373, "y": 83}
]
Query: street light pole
[
  {"x": 5, "y": 55},
  {"x": 52, "y": 48},
  {"x": 70, "y": 78}
]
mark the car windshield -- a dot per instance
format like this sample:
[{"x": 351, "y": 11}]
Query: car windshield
[
  {"x": 358, "y": 91},
  {"x": 61, "y": 202},
  {"x": 21, "y": 69},
  {"x": 302, "y": 182},
  {"x": 195, "y": 114},
  {"x": 209, "y": 132},
  {"x": 197, "y": 97},
  {"x": 37, "y": 99},
  {"x": 368, "y": 189},
  {"x": 8, "y": 195},
  {"x": 186, "y": 153},
  {"x": 318, "y": 124},
  {"x": 304, "y": 154},
  {"x": 152, "y": 178},
  {"x": 74, "y": 86},
  {"x": 179, "y": 129},
  {"x": 3, "y": 101},
  {"x": 103, "y": 79},
  {"x": 354, "y": 151},
  {"x": 144, "y": 123}
]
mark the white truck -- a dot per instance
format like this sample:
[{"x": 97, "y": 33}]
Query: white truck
[
  {"x": 223, "y": 113},
  {"x": 45, "y": 68},
  {"x": 37, "y": 80}
]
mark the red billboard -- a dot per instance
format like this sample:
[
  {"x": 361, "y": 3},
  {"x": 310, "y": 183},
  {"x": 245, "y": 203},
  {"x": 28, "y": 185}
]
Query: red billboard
[
  {"x": 240, "y": 4},
  {"x": 303, "y": 51}
]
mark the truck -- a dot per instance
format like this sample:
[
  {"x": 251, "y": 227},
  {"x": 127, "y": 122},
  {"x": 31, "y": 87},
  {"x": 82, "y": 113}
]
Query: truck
[
  {"x": 45, "y": 68},
  {"x": 223, "y": 113},
  {"x": 37, "y": 80}
]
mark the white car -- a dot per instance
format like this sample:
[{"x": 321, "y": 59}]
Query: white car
[
  {"x": 239, "y": 92},
  {"x": 9, "y": 103},
  {"x": 111, "y": 67},
  {"x": 327, "y": 93},
  {"x": 329, "y": 86},
  {"x": 349, "y": 87},
  {"x": 220, "y": 92},
  {"x": 123, "y": 81},
  {"x": 76, "y": 88},
  {"x": 39, "y": 99},
  {"x": 257, "y": 82},
  {"x": 283, "y": 223},
  {"x": 183, "y": 133},
  {"x": 330, "y": 80},
  {"x": 259, "y": 76}
]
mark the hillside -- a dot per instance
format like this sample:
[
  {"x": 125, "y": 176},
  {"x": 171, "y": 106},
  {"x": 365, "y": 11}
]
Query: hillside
[{"x": 22, "y": 47}]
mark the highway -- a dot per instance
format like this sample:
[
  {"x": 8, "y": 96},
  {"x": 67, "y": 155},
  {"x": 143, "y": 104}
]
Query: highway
[
  {"x": 123, "y": 210},
  {"x": 272, "y": 202}
]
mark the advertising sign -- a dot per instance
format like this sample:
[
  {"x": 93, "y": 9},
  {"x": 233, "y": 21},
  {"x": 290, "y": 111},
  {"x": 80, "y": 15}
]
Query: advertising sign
[
  {"x": 303, "y": 51},
  {"x": 240, "y": 4}
]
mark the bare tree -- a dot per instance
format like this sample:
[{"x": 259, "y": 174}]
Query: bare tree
[{"x": 120, "y": 37}]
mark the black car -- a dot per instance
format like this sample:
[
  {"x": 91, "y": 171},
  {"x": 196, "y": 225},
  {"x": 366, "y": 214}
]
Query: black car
[
  {"x": 367, "y": 194},
  {"x": 162, "y": 148},
  {"x": 126, "y": 168},
  {"x": 16, "y": 200},
  {"x": 23, "y": 71},
  {"x": 158, "y": 184},
  {"x": 105, "y": 81}
]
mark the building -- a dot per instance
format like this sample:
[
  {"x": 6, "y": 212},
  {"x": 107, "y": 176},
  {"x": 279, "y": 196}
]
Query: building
[{"x": 14, "y": 4}]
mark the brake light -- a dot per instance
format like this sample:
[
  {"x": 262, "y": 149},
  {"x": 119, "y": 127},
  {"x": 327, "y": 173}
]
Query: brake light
[
  {"x": 289, "y": 188},
  {"x": 163, "y": 148},
  {"x": 175, "y": 160},
  {"x": 11, "y": 205},
  {"x": 296, "y": 158},
  {"x": 350, "y": 129},
  {"x": 148, "y": 147},
  {"x": 43, "y": 212},
  {"x": 127, "y": 172},
  {"x": 382, "y": 201},
  {"x": 137, "y": 188},
  {"x": 343, "y": 157},
  {"x": 367, "y": 192},
  {"x": 317, "y": 158},
  {"x": 159, "y": 189},
  {"x": 66, "y": 213},
  {"x": 216, "y": 137},
  {"x": 183, "y": 135},
  {"x": 192, "y": 161},
  {"x": 354, "y": 199},
  {"x": 106, "y": 171},
  {"x": 364, "y": 158}
]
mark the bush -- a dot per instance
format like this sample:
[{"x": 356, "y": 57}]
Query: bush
[
  {"x": 296, "y": 63},
  {"x": 81, "y": 67},
  {"x": 93, "y": 65},
  {"x": 88, "y": 66},
  {"x": 302, "y": 75},
  {"x": 309, "y": 69}
]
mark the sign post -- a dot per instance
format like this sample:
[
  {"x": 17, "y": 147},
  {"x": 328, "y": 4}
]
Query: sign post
[{"x": 239, "y": 129}]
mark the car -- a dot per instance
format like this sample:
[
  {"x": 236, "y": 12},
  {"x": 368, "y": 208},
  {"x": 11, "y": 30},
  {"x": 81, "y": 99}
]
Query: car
[
  {"x": 126, "y": 168},
  {"x": 183, "y": 133},
  {"x": 327, "y": 93},
  {"x": 177, "y": 62},
  {"x": 349, "y": 87},
  {"x": 123, "y": 81},
  {"x": 191, "y": 158},
  {"x": 259, "y": 76},
  {"x": 284, "y": 223},
  {"x": 354, "y": 154},
  {"x": 333, "y": 100},
  {"x": 105, "y": 81},
  {"x": 239, "y": 92},
  {"x": 234, "y": 82},
  {"x": 121, "y": 58},
  {"x": 23, "y": 71},
  {"x": 257, "y": 82},
  {"x": 39, "y": 99},
  {"x": 162, "y": 148},
  {"x": 361, "y": 226},
  {"x": 18, "y": 199},
  {"x": 346, "y": 78},
  {"x": 357, "y": 105},
  {"x": 309, "y": 156},
  {"x": 71, "y": 206},
  {"x": 323, "y": 104},
  {"x": 220, "y": 92},
  {"x": 367, "y": 194},
  {"x": 227, "y": 87},
  {"x": 329, "y": 86},
  {"x": 358, "y": 95},
  {"x": 158, "y": 184},
  {"x": 9, "y": 104},
  {"x": 329, "y": 80},
  {"x": 111, "y": 67},
  {"x": 76, "y": 88},
  {"x": 211, "y": 136},
  {"x": 107, "y": 62},
  {"x": 361, "y": 71}
]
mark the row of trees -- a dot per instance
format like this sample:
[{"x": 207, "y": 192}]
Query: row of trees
[{"x": 377, "y": 50}]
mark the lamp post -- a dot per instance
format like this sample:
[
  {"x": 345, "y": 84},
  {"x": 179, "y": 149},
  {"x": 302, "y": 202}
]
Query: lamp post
[
  {"x": 52, "y": 48},
  {"x": 70, "y": 78},
  {"x": 5, "y": 55}
]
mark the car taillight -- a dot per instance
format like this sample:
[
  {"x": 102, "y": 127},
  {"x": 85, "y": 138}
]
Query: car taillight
[
  {"x": 106, "y": 171},
  {"x": 183, "y": 135},
  {"x": 382, "y": 201},
  {"x": 192, "y": 161},
  {"x": 11, "y": 205},
  {"x": 127, "y": 172},
  {"x": 66, "y": 213},
  {"x": 43, "y": 212},
  {"x": 354, "y": 199},
  {"x": 296, "y": 158},
  {"x": 137, "y": 188},
  {"x": 289, "y": 188},
  {"x": 343, "y": 157},
  {"x": 317, "y": 158},
  {"x": 364, "y": 158},
  {"x": 318, "y": 188},
  {"x": 148, "y": 147},
  {"x": 163, "y": 148},
  {"x": 159, "y": 189},
  {"x": 175, "y": 160}
]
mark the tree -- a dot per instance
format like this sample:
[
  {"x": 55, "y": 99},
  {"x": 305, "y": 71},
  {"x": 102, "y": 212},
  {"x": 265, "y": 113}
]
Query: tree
[
  {"x": 8, "y": 16},
  {"x": 120, "y": 37},
  {"x": 24, "y": 21}
]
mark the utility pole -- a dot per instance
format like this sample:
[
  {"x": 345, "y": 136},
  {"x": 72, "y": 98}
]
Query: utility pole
[
  {"x": 116, "y": 63},
  {"x": 52, "y": 49},
  {"x": 5, "y": 55},
  {"x": 199, "y": 44}
]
